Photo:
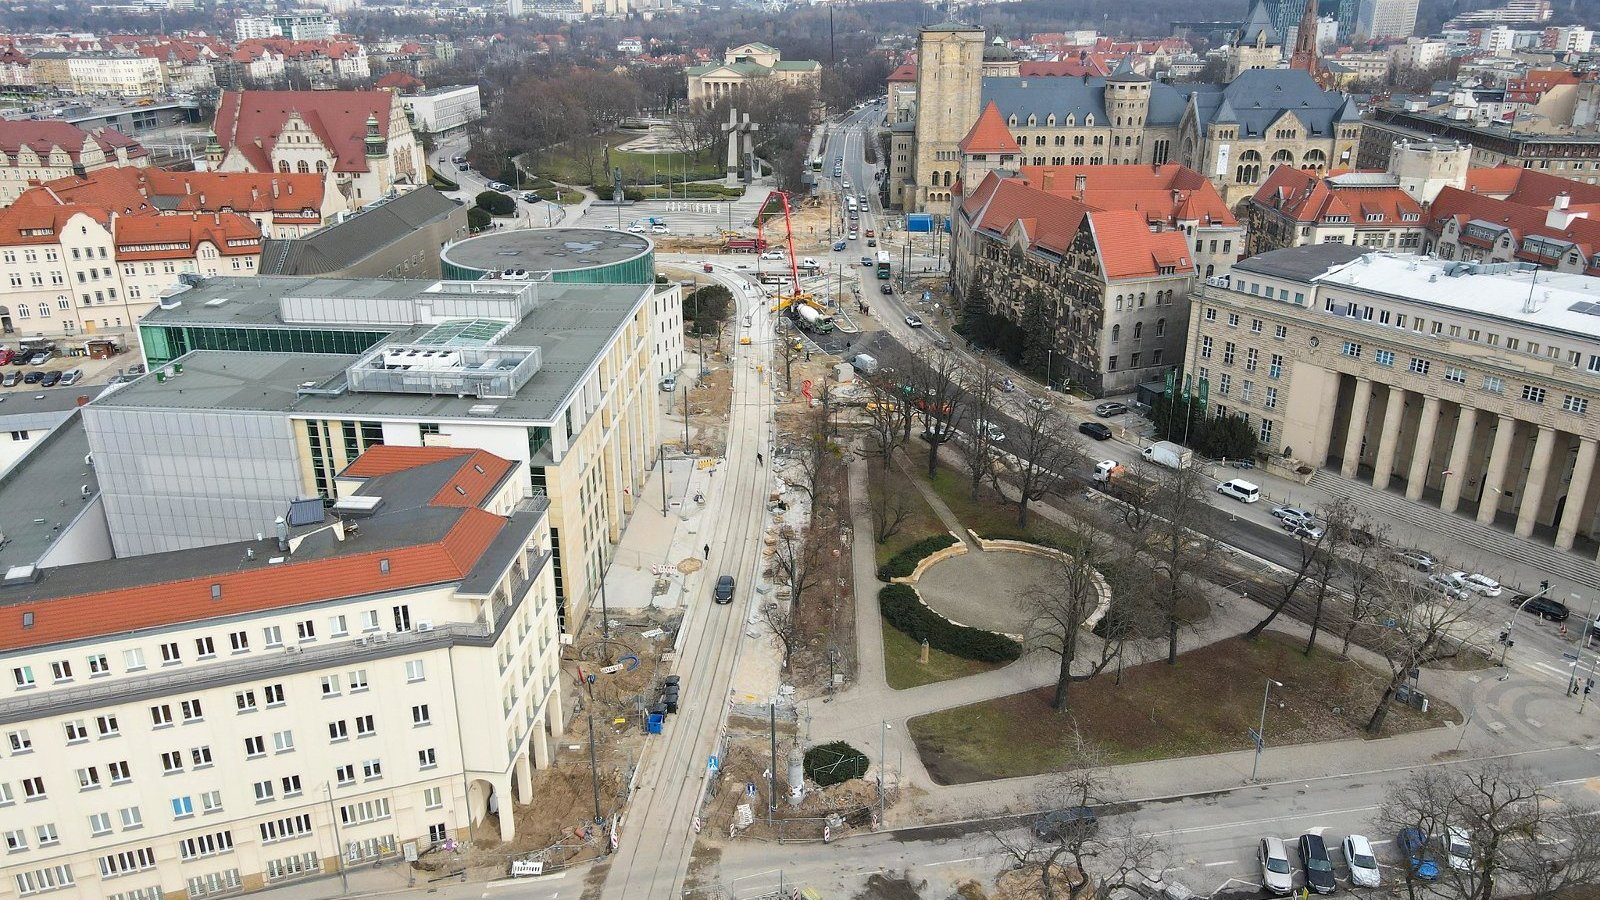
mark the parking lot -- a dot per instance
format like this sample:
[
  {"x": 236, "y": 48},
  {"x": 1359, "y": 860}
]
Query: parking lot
[{"x": 16, "y": 372}]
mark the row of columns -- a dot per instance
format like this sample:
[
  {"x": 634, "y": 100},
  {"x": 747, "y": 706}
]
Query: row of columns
[
  {"x": 1494, "y": 482},
  {"x": 536, "y": 755}
]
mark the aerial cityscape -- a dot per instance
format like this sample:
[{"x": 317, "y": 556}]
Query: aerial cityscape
[{"x": 852, "y": 450}]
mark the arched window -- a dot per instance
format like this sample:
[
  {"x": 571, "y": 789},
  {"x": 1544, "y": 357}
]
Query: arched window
[
  {"x": 1119, "y": 303},
  {"x": 933, "y": 180},
  {"x": 1116, "y": 333},
  {"x": 283, "y": 165},
  {"x": 322, "y": 167},
  {"x": 303, "y": 167},
  {"x": 1314, "y": 160},
  {"x": 947, "y": 178},
  {"x": 1116, "y": 140},
  {"x": 1141, "y": 299},
  {"x": 1210, "y": 270},
  {"x": 1249, "y": 169},
  {"x": 1161, "y": 327},
  {"x": 1138, "y": 330},
  {"x": 1282, "y": 158}
]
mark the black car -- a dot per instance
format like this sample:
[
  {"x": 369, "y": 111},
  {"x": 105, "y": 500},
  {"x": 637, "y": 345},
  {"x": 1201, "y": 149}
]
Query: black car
[
  {"x": 1543, "y": 607},
  {"x": 50, "y": 379},
  {"x": 1319, "y": 871},
  {"x": 1095, "y": 430},
  {"x": 33, "y": 377},
  {"x": 723, "y": 593},
  {"x": 1060, "y": 824},
  {"x": 885, "y": 288}
]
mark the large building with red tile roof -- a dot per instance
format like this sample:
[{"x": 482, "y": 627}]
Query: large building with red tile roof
[
  {"x": 294, "y": 700},
  {"x": 360, "y": 141},
  {"x": 1365, "y": 209},
  {"x": 34, "y": 151},
  {"x": 86, "y": 268},
  {"x": 281, "y": 205},
  {"x": 1090, "y": 266},
  {"x": 1509, "y": 213}
]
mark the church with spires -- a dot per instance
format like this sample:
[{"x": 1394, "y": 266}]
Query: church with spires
[{"x": 967, "y": 122}]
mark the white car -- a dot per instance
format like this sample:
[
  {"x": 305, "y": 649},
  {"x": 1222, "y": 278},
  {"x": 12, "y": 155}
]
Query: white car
[
  {"x": 660, "y": 229},
  {"x": 914, "y": 321},
  {"x": 1458, "y": 848},
  {"x": 1291, "y": 512},
  {"x": 773, "y": 254},
  {"x": 991, "y": 432},
  {"x": 1277, "y": 876},
  {"x": 1363, "y": 865},
  {"x": 636, "y": 228},
  {"x": 1478, "y": 584}
]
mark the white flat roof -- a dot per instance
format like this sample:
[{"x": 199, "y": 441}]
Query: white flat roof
[{"x": 1538, "y": 299}]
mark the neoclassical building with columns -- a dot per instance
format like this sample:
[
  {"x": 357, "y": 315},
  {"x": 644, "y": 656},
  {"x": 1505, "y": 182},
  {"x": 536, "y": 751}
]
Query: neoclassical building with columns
[{"x": 1463, "y": 385}]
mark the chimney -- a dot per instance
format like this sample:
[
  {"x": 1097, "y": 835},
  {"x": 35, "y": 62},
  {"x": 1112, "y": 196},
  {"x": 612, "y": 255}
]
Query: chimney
[
  {"x": 1049, "y": 180},
  {"x": 1560, "y": 217},
  {"x": 1080, "y": 184},
  {"x": 274, "y": 188},
  {"x": 188, "y": 186},
  {"x": 202, "y": 199}
]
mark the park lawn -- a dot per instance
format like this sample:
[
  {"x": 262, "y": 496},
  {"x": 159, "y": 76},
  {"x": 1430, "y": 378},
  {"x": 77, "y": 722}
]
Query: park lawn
[
  {"x": 903, "y": 669},
  {"x": 560, "y": 164},
  {"x": 1206, "y": 704},
  {"x": 921, "y": 523},
  {"x": 990, "y": 515}
]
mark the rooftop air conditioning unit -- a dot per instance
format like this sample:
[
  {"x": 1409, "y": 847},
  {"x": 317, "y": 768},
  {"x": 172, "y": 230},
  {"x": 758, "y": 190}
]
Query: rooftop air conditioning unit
[{"x": 424, "y": 626}]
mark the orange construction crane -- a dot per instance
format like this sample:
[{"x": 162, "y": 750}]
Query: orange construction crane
[{"x": 795, "y": 295}]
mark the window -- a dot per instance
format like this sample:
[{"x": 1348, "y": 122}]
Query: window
[
  {"x": 290, "y": 867},
  {"x": 433, "y": 798},
  {"x": 38, "y": 881},
  {"x": 438, "y": 834},
  {"x": 1111, "y": 363},
  {"x": 47, "y": 835},
  {"x": 1282, "y": 331},
  {"x": 1255, "y": 326},
  {"x": 211, "y": 801},
  {"x": 203, "y": 845},
  {"x": 375, "y": 810},
  {"x": 1224, "y": 384},
  {"x": 33, "y": 788},
  {"x": 263, "y": 791},
  {"x": 372, "y": 768},
  {"x": 282, "y": 741},
  {"x": 77, "y": 732},
  {"x": 273, "y": 636},
  {"x": 119, "y": 772},
  {"x": 107, "y": 725},
  {"x": 182, "y": 807},
  {"x": 1227, "y": 353},
  {"x": 204, "y": 648},
  {"x": 1211, "y": 314},
  {"x": 402, "y": 618},
  {"x": 1382, "y": 357},
  {"x": 414, "y": 670},
  {"x": 61, "y": 670},
  {"x": 169, "y": 654},
  {"x": 192, "y": 711},
  {"x": 366, "y": 726},
  {"x": 420, "y": 715},
  {"x": 1532, "y": 394},
  {"x": 20, "y": 741},
  {"x": 273, "y": 694},
  {"x": 358, "y": 680},
  {"x": 239, "y": 641},
  {"x": 1494, "y": 384},
  {"x": 337, "y": 731},
  {"x": 98, "y": 665},
  {"x": 200, "y": 756},
  {"x": 426, "y": 759},
  {"x": 133, "y": 660},
  {"x": 1250, "y": 357},
  {"x": 1420, "y": 366},
  {"x": 88, "y": 778},
  {"x": 1271, "y": 400},
  {"x": 131, "y": 817},
  {"x": 283, "y": 829},
  {"x": 17, "y": 841},
  {"x": 1575, "y": 405},
  {"x": 369, "y": 620},
  {"x": 337, "y": 626},
  {"x": 1205, "y": 348},
  {"x": 171, "y": 762},
  {"x": 345, "y": 775},
  {"x": 246, "y": 701},
  {"x": 99, "y": 824},
  {"x": 6, "y": 797},
  {"x": 307, "y": 630},
  {"x": 330, "y": 685},
  {"x": 23, "y": 675},
  {"x": 291, "y": 786},
  {"x": 1266, "y": 431},
  {"x": 1352, "y": 349},
  {"x": 1455, "y": 375},
  {"x": 255, "y": 746},
  {"x": 222, "y": 882}
]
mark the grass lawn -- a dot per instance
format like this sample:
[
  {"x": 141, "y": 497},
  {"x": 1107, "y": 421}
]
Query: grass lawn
[
  {"x": 921, "y": 522},
  {"x": 563, "y": 164},
  {"x": 1203, "y": 705},
  {"x": 990, "y": 514},
  {"x": 903, "y": 669}
]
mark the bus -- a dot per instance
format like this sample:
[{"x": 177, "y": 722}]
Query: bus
[
  {"x": 883, "y": 264},
  {"x": 816, "y": 164}
]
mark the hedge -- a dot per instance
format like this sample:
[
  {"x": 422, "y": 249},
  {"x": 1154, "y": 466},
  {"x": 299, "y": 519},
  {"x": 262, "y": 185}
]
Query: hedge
[
  {"x": 905, "y": 611},
  {"x": 834, "y": 763},
  {"x": 440, "y": 182},
  {"x": 496, "y": 203},
  {"x": 905, "y": 562},
  {"x": 478, "y": 219}
]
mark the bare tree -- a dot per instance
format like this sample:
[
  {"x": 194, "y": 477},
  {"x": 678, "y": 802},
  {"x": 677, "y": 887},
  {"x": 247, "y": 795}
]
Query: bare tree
[
  {"x": 1368, "y": 567},
  {"x": 797, "y": 557},
  {"x": 790, "y": 349},
  {"x": 1562, "y": 852},
  {"x": 1045, "y": 452},
  {"x": 1059, "y": 608},
  {"x": 939, "y": 399},
  {"x": 983, "y": 452},
  {"x": 889, "y": 511},
  {"x": 889, "y": 417},
  {"x": 1172, "y": 498},
  {"x": 1427, "y": 626},
  {"x": 1316, "y": 567},
  {"x": 780, "y": 619}
]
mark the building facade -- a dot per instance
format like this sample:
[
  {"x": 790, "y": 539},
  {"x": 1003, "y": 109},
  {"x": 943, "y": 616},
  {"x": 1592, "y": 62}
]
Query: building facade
[
  {"x": 1518, "y": 215},
  {"x": 1454, "y": 382},
  {"x": 443, "y": 109},
  {"x": 1363, "y": 209},
  {"x": 1386, "y": 20},
  {"x": 302, "y": 712},
  {"x": 1103, "y": 256},
  {"x": 744, "y": 65},
  {"x": 1570, "y": 152},
  {"x": 32, "y": 152}
]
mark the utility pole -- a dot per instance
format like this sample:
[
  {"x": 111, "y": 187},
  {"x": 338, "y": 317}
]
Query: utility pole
[
  {"x": 661, "y": 459},
  {"x": 338, "y": 842},
  {"x": 1506, "y": 636},
  {"x": 594, "y": 766},
  {"x": 1577, "y": 641},
  {"x": 1261, "y": 729},
  {"x": 883, "y": 802},
  {"x": 772, "y": 773}
]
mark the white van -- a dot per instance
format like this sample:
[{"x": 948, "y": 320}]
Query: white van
[{"x": 1242, "y": 491}]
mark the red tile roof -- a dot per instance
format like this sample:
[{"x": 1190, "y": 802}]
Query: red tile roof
[
  {"x": 266, "y": 586},
  {"x": 1168, "y": 193},
  {"x": 252, "y": 120},
  {"x": 1521, "y": 219},
  {"x": 130, "y": 191},
  {"x": 1532, "y": 188},
  {"x": 179, "y": 237},
  {"x": 477, "y": 475},
  {"x": 46, "y": 135},
  {"x": 906, "y": 72},
  {"x": 402, "y": 81},
  {"x": 989, "y": 134},
  {"x": 1308, "y": 198}
]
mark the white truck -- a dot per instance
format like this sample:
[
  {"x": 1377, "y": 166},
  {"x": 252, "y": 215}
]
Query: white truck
[
  {"x": 1170, "y": 455},
  {"x": 864, "y": 364}
]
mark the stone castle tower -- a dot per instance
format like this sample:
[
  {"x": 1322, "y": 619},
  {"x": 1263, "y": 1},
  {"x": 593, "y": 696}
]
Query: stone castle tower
[
  {"x": 1127, "y": 99},
  {"x": 949, "y": 89},
  {"x": 1258, "y": 46}
]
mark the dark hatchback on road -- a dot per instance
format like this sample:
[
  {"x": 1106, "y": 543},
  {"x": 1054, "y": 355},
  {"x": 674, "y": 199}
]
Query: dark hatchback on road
[
  {"x": 723, "y": 592},
  {"x": 1543, "y": 607},
  {"x": 1314, "y": 857},
  {"x": 1061, "y": 824},
  {"x": 1095, "y": 430}
]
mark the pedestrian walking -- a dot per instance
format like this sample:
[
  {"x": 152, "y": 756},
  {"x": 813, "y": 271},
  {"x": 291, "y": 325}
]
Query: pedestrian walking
[
  {"x": 708, "y": 551},
  {"x": 759, "y": 461}
]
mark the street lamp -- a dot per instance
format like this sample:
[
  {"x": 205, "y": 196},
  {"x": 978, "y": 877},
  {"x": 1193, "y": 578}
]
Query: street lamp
[
  {"x": 883, "y": 737},
  {"x": 1049, "y": 359},
  {"x": 1505, "y": 636},
  {"x": 1260, "y": 733}
]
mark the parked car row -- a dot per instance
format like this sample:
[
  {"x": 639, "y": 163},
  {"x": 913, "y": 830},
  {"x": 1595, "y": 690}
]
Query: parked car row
[{"x": 1417, "y": 850}]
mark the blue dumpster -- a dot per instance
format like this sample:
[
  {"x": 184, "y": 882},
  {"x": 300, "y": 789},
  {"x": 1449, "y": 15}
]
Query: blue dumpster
[{"x": 653, "y": 723}]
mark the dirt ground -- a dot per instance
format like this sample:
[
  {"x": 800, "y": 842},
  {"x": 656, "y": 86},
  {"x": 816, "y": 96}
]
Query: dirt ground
[{"x": 710, "y": 402}]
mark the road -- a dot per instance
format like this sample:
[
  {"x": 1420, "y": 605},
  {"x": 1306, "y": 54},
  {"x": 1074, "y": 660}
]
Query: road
[{"x": 657, "y": 832}]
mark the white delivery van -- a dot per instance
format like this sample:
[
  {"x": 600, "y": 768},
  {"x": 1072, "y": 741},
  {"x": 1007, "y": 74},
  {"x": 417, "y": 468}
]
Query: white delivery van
[{"x": 1240, "y": 490}]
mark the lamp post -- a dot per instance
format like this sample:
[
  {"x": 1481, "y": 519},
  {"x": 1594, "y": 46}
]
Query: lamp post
[
  {"x": 1261, "y": 729},
  {"x": 1505, "y": 636},
  {"x": 883, "y": 737},
  {"x": 1049, "y": 360},
  {"x": 338, "y": 842}
]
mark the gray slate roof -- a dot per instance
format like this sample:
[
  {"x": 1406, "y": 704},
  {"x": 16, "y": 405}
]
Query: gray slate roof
[
  {"x": 1259, "y": 96},
  {"x": 1300, "y": 264},
  {"x": 1259, "y": 21},
  {"x": 332, "y": 248},
  {"x": 1079, "y": 97}
]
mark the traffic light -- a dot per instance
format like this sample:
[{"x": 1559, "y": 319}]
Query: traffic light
[
  {"x": 1544, "y": 585},
  {"x": 1505, "y": 636},
  {"x": 1588, "y": 686}
]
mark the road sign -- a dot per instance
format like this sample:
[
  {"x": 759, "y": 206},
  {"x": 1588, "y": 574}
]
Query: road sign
[
  {"x": 712, "y": 763},
  {"x": 1570, "y": 656},
  {"x": 1255, "y": 738}
]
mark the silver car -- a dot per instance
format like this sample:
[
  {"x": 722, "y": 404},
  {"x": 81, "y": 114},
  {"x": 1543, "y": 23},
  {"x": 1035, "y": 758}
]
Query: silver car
[
  {"x": 1363, "y": 865},
  {"x": 1277, "y": 876},
  {"x": 1416, "y": 559}
]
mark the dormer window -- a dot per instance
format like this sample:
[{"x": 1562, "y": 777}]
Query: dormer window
[
  {"x": 1088, "y": 120},
  {"x": 1051, "y": 121},
  {"x": 1071, "y": 120},
  {"x": 1032, "y": 121},
  {"x": 1012, "y": 121}
]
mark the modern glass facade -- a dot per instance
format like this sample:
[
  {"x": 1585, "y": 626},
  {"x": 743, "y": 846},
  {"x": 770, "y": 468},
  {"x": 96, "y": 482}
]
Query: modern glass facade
[
  {"x": 164, "y": 343},
  {"x": 640, "y": 269}
]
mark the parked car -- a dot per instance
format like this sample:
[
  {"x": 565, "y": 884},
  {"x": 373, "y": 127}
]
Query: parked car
[
  {"x": 463, "y": 167},
  {"x": 872, "y": 242},
  {"x": 1479, "y": 584},
  {"x": 1059, "y": 824},
  {"x": 33, "y": 377},
  {"x": 886, "y": 288},
  {"x": 50, "y": 379},
  {"x": 71, "y": 377},
  {"x": 669, "y": 383},
  {"x": 1458, "y": 848},
  {"x": 1042, "y": 403},
  {"x": 531, "y": 197},
  {"x": 5, "y": 355},
  {"x": 1444, "y": 584},
  {"x": 869, "y": 232},
  {"x": 774, "y": 254},
  {"x": 991, "y": 432},
  {"x": 1291, "y": 512},
  {"x": 838, "y": 245},
  {"x": 1543, "y": 607},
  {"x": 723, "y": 592},
  {"x": 39, "y": 358},
  {"x": 1413, "y": 845},
  {"x": 1276, "y": 876},
  {"x": 11, "y": 378},
  {"x": 499, "y": 186},
  {"x": 1319, "y": 869},
  {"x": 914, "y": 321},
  {"x": 1095, "y": 430},
  {"x": 660, "y": 229},
  {"x": 1363, "y": 864},
  {"x": 1416, "y": 559},
  {"x": 1110, "y": 408},
  {"x": 636, "y": 228},
  {"x": 1307, "y": 530}
]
